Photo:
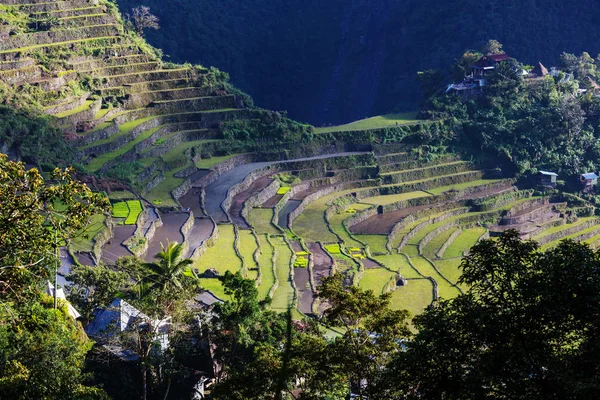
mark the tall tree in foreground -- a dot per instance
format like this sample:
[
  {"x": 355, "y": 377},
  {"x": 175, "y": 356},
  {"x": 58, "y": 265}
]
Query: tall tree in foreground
[
  {"x": 36, "y": 215},
  {"x": 529, "y": 328},
  {"x": 42, "y": 350}
]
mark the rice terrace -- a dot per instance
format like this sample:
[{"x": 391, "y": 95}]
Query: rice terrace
[{"x": 179, "y": 179}]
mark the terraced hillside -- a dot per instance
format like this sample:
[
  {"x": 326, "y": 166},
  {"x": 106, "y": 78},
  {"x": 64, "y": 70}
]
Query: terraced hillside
[
  {"x": 128, "y": 113},
  {"x": 389, "y": 217},
  {"x": 386, "y": 218}
]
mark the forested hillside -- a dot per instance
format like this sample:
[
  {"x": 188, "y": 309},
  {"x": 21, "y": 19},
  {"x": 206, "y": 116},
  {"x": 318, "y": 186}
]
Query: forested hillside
[{"x": 336, "y": 61}]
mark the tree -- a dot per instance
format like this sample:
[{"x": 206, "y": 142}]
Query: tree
[
  {"x": 167, "y": 274},
  {"x": 143, "y": 19},
  {"x": 94, "y": 287},
  {"x": 431, "y": 81},
  {"x": 373, "y": 334},
  {"x": 34, "y": 217},
  {"x": 492, "y": 47},
  {"x": 527, "y": 329}
]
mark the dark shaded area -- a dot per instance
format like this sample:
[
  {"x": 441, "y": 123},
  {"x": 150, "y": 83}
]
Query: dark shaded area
[{"x": 337, "y": 61}]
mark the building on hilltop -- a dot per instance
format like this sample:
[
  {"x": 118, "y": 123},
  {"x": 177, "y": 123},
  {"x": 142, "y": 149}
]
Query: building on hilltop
[
  {"x": 539, "y": 71},
  {"x": 474, "y": 83}
]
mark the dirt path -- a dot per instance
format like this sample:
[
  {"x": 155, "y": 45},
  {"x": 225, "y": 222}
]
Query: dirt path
[
  {"x": 216, "y": 192},
  {"x": 169, "y": 231},
  {"x": 201, "y": 231},
  {"x": 237, "y": 203}
]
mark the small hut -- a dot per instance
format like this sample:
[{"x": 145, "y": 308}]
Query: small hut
[
  {"x": 547, "y": 178},
  {"x": 589, "y": 179},
  {"x": 539, "y": 71}
]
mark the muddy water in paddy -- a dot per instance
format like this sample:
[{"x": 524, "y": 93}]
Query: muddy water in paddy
[
  {"x": 114, "y": 248},
  {"x": 296, "y": 246},
  {"x": 368, "y": 263},
  {"x": 305, "y": 294},
  {"x": 272, "y": 202},
  {"x": 235, "y": 211},
  {"x": 285, "y": 212},
  {"x": 201, "y": 231},
  {"x": 322, "y": 262},
  {"x": 191, "y": 200},
  {"x": 169, "y": 231},
  {"x": 85, "y": 259}
]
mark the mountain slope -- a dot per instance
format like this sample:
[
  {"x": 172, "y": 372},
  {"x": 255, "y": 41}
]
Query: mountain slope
[{"x": 337, "y": 61}]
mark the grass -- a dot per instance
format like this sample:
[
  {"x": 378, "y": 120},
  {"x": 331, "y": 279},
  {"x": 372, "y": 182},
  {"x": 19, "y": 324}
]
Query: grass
[
  {"x": 178, "y": 151},
  {"x": 83, "y": 240},
  {"x": 375, "y": 279},
  {"x": 120, "y": 210},
  {"x": 380, "y": 121},
  {"x": 260, "y": 219},
  {"x": 376, "y": 242},
  {"x": 284, "y": 294},
  {"x": 467, "y": 239},
  {"x": 461, "y": 186},
  {"x": 123, "y": 130},
  {"x": 265, "y": 263},
  {"x": 85, "y": 106},
  {"x": 311, "y": 224},
  {"x": 414, "y": 296},
  {"x": 430, "y": 250},
  {"x": 394, "y": 198},
  {"x": 559, "y": 228},
  {"x": 573, "y": 236},
  {"x": 221, "y": 256},
  {"x": 336, "y": 224},
  {"x": 446, "y": 290},
  {"x": 247, "y": 246},
  {"x": 121, "y": 194},
  {"x": 450, "y": 269},
  {"x": 162, "y": 191},
  {"x": 102, "y": 159},
  {"x": 398, "y": 262},
  {"x": 135, "y": 209},
  {"x": 207, "y": 163},
  {"x": 215, "y": 287}
]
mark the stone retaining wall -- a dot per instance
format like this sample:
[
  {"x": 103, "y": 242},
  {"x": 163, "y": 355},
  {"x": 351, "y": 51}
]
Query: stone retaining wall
[
  {"x": 154, "y": 182},
  {"x": 567, "y": 232},
  {"x": 448, "y": 242},
  {"x": 413, "y": 232}
]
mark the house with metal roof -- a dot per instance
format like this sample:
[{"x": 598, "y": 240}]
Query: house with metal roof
[
  {"x": 589, "y": 179},
  {"x": 547, "y": 178}
]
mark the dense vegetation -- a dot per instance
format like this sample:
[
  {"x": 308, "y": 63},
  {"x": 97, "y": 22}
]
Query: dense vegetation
[
  {"x": 550, "y": 122},
  {"x": 335, "y": 61}
]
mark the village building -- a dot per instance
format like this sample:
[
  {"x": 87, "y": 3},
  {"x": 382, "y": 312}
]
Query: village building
[
  {"x": 475, "y": 82},
  {"x": 539, "y": 71},
  {"x": 588, "y": 180},
  {"x": 547, "y": 178}
]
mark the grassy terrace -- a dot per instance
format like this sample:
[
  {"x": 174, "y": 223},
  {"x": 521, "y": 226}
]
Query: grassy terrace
[
  {"x": 221, "y": 256},
  {"x": 66, "y": 43},
  {"x": 430, "y": 250},
  {"x": 161, "y": 194},
  {"x": 414, "y": 297},
  {"x": 394, "y": 198},
  {"x": 84, "y": 240},
  {"x": 247, "y": 246},
  {"x": 336, "y": 224},
  {"x": 208, "y": 163},
  {"x": 265, "y": 263},
  {"x": 556, "y": 229},
  {"x": 102, "y": 159},
  {"x": 261, "y": 220},
  {"x": 375, "y": 279},
  {"x": 85, "y": 106},
  {"x": 462, "y": 186},
  {"x": 467, "y": 239},
  {"x": 284, "y": 294},
  {"x": 123, "y": 130},
  {"x": 381, "y": 121}
]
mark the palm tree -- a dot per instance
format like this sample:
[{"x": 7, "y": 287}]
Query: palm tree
[{"x": 166, "y": 273}]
